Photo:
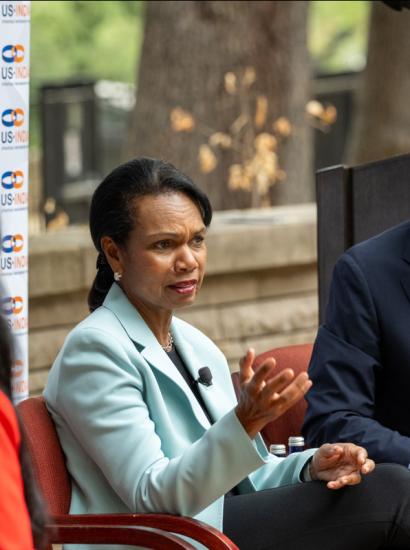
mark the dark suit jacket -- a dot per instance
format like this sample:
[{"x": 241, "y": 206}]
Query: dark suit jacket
[{"x": 360, "y": 365}]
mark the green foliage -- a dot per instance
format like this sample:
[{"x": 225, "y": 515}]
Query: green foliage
[
  {"x": 75, "y": 39},
  {"x": 337, "y": 33}
]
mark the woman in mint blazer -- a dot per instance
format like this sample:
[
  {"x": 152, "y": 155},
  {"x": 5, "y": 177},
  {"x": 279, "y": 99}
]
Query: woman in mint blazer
[{"x": 144, "y": 429}]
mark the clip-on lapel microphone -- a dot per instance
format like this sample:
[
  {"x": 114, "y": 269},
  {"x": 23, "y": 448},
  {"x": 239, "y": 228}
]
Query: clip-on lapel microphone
[{"x": 205, "y": 376}]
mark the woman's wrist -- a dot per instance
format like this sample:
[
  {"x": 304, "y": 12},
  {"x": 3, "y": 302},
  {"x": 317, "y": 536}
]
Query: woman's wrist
[
  {"x": 305, "y": 474},
  {"x": 251, "y": 428},
  {"x": 312, "y": 470}
]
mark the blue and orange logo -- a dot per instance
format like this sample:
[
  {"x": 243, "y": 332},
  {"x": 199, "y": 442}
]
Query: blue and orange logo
[
  {"x": 15, "y": 9},
  {"x": 12, "y": 180},
  {"x": 13, "y": 53},
  {"x": 12, "y": 117},
  {"x": 17, "y": 368},
  {"x": 11, "y": 305},
  {"x": 12, "y": 243}
]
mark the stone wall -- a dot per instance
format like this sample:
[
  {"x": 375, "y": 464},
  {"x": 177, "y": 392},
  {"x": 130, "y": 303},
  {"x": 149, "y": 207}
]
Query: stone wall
[{"x": 260, "y": 289}]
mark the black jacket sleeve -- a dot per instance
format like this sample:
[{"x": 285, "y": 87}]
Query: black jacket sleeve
[{"x": 345, "y": 369}]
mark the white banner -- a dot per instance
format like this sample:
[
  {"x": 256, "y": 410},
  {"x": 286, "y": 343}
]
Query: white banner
[{"x": 14, "y": 119}]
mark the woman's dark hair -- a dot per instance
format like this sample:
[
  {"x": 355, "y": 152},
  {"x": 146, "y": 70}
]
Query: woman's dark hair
[
  {"x": 34, "y": 501},
  {"x": 112, "y": 209}
]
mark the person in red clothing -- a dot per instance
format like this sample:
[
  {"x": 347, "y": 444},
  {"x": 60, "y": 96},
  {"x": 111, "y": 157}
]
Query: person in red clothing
[
  {"x": 15, "y": 528},
  {"x": 22, "y": 516}
]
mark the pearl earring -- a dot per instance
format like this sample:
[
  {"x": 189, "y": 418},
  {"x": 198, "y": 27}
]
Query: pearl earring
[{"x": 117, "y": 276}]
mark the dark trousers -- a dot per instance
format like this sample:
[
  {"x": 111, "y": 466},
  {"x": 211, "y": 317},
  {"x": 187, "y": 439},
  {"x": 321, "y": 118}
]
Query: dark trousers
[{"x": 374, "y": 514}]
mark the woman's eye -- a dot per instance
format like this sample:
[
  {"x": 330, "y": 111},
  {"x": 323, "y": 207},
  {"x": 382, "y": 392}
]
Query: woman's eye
[
  {"x": 163, "y": 245},
  {"x": 198, "y": 240}
]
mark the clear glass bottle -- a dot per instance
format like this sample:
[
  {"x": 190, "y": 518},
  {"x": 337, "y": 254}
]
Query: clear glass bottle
[
  {"x": 278, "y": 449},
  {"x": 296, "y": 444}
]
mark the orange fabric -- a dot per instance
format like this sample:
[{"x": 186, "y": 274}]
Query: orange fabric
[
  {"x": 15, "y": 529},
  {"x": 46, "y": 454}
]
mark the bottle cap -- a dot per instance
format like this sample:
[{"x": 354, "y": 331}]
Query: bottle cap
[
  {"x": 278, "y": 449},
  {"x": 296, "y": 440}
]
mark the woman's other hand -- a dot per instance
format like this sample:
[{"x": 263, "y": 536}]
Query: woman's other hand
[
  {"x": 263, "y": 399},
  {"x": 340, "y": 464}
]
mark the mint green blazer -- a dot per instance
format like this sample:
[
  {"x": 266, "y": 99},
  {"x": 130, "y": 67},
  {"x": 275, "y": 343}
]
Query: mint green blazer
[{"x": 135, "y": 437}]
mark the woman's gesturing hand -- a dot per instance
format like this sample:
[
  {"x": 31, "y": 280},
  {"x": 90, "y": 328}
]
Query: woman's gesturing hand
[
  {"x": 340, "y": 464},
  {"x": 261, "y": 399}
]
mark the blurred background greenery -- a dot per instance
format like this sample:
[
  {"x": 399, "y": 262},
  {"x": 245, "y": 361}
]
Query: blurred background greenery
[
  {"x": 337, "y": 35},
  {"x": 82, "y": 39},
  {"x": 98, "y": 39}
]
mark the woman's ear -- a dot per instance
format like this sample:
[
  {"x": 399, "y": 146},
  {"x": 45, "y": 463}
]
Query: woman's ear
[{"x": 112, "y": 253}]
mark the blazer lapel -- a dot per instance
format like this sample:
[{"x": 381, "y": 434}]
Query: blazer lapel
[
  {"x": 215, "y": 400},
  {"x": 405, "y": 281},
  {"x": 158, "y": 359},
  {"x": 149, "y": 347}
]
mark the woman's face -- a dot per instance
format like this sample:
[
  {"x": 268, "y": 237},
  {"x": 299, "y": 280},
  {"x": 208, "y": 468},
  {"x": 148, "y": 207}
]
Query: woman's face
[{"x": 163, "y": 261}]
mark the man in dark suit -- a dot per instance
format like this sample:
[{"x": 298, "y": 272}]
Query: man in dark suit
[{"x": 360, "y": 365}]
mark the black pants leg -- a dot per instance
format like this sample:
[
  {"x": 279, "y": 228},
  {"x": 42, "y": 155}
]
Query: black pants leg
[{"x": 374, "y": 514}]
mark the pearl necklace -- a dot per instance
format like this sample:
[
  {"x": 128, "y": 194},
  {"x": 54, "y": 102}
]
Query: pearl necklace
[{"x": 170, "y": 343}]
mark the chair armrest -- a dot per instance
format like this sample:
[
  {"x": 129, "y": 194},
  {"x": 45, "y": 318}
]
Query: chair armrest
[
  {"x": 189, "y": 527},
  {"x": 147, "y": 537}
]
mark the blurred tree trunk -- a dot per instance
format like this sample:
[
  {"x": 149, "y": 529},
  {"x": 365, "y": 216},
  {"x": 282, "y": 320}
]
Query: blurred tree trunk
[
  {"x": 381, "y": 127},
  {"x": 188, "y": 48}
]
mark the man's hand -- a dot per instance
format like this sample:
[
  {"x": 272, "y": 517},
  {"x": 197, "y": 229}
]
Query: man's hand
[{"x": 340, "y": 464}]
